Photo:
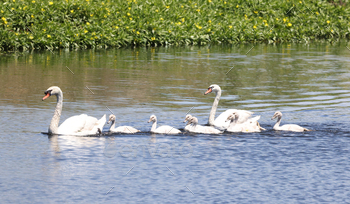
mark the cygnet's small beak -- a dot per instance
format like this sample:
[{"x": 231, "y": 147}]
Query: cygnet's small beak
[
  {"x": 185, "y": 121},
  {"x": 149, "y": 120}
]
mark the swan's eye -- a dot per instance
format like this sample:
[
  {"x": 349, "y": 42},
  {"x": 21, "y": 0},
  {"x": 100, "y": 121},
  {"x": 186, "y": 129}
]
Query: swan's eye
[{"x": 48, "y": 92}]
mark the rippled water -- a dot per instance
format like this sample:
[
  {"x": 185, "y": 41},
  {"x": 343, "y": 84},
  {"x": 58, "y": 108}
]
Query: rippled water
[{"x": 308, "y": 83}]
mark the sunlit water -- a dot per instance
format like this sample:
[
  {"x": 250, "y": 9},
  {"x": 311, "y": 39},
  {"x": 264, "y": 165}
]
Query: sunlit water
[{"x": 308, "y": 83}]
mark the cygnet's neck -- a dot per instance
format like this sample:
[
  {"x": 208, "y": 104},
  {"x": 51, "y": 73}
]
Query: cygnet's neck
[
  {"x": 154, "y": 125},
  {"x": 277, "y": 125},
  {"x": 112, "y": 125}
]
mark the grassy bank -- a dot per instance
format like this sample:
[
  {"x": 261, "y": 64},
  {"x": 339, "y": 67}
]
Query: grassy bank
[{"x": 37, "y": 24}]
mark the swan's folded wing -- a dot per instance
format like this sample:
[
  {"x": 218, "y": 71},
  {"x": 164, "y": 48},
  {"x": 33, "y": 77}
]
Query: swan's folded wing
[
  {"x": 211, "y": 130},
  {"x": 293, "y": 127},
  {"x": 235, "y": 128},
  {"x": 256, "y": 118},
  {"x": 220, "y": 121},
  {"x": 125, "y": 129},
  {"x": 166, "y": 129},
  {"x": 92, "y": 124},
  {"x": 205, "y": 130},
  {"x": 73, "y": 124},
  {"x": 243, "y": 115}
]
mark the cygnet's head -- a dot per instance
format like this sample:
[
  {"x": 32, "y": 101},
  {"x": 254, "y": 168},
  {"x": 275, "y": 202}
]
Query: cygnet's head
[
  {"x": 193, "y": 121},
  {"x": 277, "y": 114},
  {"x": 53, "y": 90},
  {"x": 153, "y": 118},
  {"x": 231, "y": 117},
  {"x": 111, "y": 118},
  {"x": 213, "y": 88},
  {"x": 188, "y": 117}
]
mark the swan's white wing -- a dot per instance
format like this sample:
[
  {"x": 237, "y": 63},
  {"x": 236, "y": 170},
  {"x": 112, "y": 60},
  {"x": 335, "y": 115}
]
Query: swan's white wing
[
  {"x": 166, "y": 129},
  {"x": 81, "y": 125},
  {"x": 187, "y": 127},
  {"x": 73, "y": 124},
  {"x": 251, "y": 125},
  {"x": 243, "y": 116},
  {"x": 256, "y": 118},
  {"x": 210, "y": 130},
  {"x": 92, "y": 125},
  {"x": 235, "y": 128},
  {"x": 125, "y": 129},
  {"x": 204, "y": 130},
  {"x": 292, "y": 127}
]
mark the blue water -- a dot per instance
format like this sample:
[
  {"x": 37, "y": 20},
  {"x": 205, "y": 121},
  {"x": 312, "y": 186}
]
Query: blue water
[{"x": 308, "y": 84}]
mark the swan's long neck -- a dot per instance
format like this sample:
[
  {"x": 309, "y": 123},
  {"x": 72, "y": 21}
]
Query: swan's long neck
[
  {"x": 53, "y": 128},
  {"x": 214, "y": 107},
  {"x": 277, "y": 125},
  {"x": 154, "y": 126},
  {"x": 112, "y": 125}
]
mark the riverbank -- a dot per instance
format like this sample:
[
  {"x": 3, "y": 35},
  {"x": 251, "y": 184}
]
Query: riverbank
[{"x": 83, "y": 24}]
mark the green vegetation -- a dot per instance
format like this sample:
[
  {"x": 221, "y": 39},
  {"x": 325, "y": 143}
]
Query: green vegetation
[{"x": 38, "y": 24}]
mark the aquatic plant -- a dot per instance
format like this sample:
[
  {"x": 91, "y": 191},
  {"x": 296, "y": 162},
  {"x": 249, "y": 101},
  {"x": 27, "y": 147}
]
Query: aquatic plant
[{"x": 81, "y": 24}]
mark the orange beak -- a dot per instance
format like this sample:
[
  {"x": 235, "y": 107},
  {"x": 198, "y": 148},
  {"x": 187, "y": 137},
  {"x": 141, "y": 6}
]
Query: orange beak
[
  {"x": 209, "y": 91},
  {"x": 46, "y": 96}
]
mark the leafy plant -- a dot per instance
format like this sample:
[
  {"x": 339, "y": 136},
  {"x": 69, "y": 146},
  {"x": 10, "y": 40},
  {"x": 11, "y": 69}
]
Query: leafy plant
[{"x": 81, "y": 24}]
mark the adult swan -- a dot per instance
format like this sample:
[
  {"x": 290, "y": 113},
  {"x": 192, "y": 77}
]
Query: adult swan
[
  {"x": 220, "y": 121},
  {"x": 75, "y": 125}
]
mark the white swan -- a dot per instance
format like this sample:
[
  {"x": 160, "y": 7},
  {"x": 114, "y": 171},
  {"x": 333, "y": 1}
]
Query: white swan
[
  {"x": 75, "y": 125},
  {"x": 220, "y": 121},
  {"x": 120, "y": 129},
  {"x": 195, "y": 128},
  {"x": 251, "y": 125},
  {"x": 188, "y": 118},
  {"x": 288, "y": 127},
  {"x": 164, "y": 129}
]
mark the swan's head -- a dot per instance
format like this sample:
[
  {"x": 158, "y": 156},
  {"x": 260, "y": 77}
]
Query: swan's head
[
  {"x": 153, "y": 118},
  {"x": 277, "y": 114},
  {"x": 213, "y": 88},
  {"x": 193, "y": 121},
  {"x": 111, "y": 118},
  {"x": 53, "y": 90},
  {"x": 188, "y": 118}
]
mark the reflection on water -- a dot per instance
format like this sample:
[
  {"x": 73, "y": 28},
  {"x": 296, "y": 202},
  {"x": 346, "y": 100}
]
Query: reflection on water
[
  {"x": 293, "y": 78},
  {"x": 308, "y": 83}
]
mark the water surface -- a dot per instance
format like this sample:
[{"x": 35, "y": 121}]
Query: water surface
[{"x": 308, "y": 83}]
